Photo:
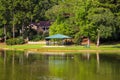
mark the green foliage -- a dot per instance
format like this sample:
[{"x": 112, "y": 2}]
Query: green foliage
[
  {"x": 1, "y": 32},
  {"x": 101, "y": 19},
  {"x": 20, "y": 13},
  {"x": 29, "y": 32},
  {"x": 20, "y": 40},
  {"x": 36, "y": 38},
  {"x": 11, "y": 42},
  {"x": 74, "y": 18},
  {"x": 15, "y": 41},
  {"x": 39, "y": 36},
  {"x": 77, "y": 39},
  {"x": 85, "y": 18}
]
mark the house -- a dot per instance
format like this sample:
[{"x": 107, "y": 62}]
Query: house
[{"x": 41, "y": 26}]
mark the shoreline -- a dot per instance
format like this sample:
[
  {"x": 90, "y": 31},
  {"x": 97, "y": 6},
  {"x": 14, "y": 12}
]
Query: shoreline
[{"x": 65, "y": 51}]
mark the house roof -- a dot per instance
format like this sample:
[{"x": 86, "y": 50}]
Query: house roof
[
  {"x": 58, "y": 36},
  {"x": 42, "y": 24}
]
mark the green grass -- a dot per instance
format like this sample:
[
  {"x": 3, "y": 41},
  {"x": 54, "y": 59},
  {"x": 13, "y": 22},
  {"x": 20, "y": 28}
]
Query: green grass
[
  {"x": 105, "y": 47},
  {"x": 42, "y": 48},
  {"x": 25, "y": 46}
]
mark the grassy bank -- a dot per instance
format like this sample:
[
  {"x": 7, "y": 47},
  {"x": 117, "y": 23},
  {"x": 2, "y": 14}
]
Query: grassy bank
[
  {"x": 40, "y": 48},
  {"x": 21, "y": 47}
]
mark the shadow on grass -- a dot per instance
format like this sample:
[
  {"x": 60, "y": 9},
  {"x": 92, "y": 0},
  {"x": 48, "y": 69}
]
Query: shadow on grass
[{"x": 116, "y": 47}]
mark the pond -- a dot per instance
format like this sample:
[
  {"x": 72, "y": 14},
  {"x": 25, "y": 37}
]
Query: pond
[{"x": 18, "y": 65}]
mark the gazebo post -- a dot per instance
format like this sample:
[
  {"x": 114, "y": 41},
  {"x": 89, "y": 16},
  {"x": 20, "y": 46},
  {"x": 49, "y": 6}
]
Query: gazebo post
[
  {"x": 54, "y": 41},
  {"x": 47, "y": 41},
  {"x": 62, "y": 41}
]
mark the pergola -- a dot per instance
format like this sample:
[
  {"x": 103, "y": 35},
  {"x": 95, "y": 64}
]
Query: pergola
[{"x": 56, "y": 36}]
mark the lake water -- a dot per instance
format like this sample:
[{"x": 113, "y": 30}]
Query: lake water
[{"x": 16, "y": 65}]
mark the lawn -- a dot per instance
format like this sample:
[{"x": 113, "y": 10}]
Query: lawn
[
  {"x": 39, "y": 47},
  {"x": 25, "y": 46}
]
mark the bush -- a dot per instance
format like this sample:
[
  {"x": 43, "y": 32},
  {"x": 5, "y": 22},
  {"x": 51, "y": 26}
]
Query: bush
[
  {"x": 10, "y": 42},
  {"x": 15, "y": 41},
  {"x": 20, "y": 40},
  {"x": 36, "y": 38}
]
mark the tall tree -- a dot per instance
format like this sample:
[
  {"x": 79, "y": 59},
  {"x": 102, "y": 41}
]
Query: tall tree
[{"x": 95, "y": 19}]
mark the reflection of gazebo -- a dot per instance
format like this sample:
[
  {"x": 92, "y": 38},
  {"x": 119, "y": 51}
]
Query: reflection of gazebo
[{"x": 56, "y": 36}]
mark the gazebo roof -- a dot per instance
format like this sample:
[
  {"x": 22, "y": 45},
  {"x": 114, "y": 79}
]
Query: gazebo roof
[{"x": 58, "y": 36}]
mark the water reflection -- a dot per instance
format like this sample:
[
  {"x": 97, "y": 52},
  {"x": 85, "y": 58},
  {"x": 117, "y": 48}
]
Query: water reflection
[{"x": 16, "y": 65}]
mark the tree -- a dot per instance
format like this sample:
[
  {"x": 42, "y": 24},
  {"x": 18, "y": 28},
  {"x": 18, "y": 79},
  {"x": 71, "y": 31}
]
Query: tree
[
  {"x": 75, "y": 18},
  {"x": 17, "y": 14},
  {"x": 75, "y": 21},
  {"x": 94, "y": 19}
]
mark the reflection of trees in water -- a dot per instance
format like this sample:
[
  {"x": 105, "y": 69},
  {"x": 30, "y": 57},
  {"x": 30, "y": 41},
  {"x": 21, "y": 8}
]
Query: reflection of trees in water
[
  {"x": 98, "y": 61},
  {"x": 13, "y": 66},
  {"x": 73, "y": 66},
  {"x": 18, "y": 66},
  {"x": 110, "y": 65},
  {"x": 77, "y": 66}
]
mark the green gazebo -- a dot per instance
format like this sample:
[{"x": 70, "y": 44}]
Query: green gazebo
[{"x": 56, "y": 36}]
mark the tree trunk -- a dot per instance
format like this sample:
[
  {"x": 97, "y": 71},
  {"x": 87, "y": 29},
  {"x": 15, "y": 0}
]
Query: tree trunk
[
  {"x": 13, "y": 28},
  {"x": 5, "y": 32},
  {"x": 98, "y": 38},
  {"x": 22, "y": 30}
]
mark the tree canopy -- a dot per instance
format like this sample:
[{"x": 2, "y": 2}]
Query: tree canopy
[
  {"x": 15, "y": 15},
  {"x": 86, "y": 18},
  {"x": 74, "y": 18}
]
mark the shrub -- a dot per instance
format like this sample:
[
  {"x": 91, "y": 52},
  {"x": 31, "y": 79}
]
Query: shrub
[
  {"x": 10, "y": 42},
  {"x": 36, "y": 38},
  {"x": 15, "y": 41},
  {"x": 20, "y": 40}
]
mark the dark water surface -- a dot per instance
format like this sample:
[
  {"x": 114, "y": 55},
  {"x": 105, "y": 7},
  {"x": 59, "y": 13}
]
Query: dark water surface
[{"x": 16, "y": 65}]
